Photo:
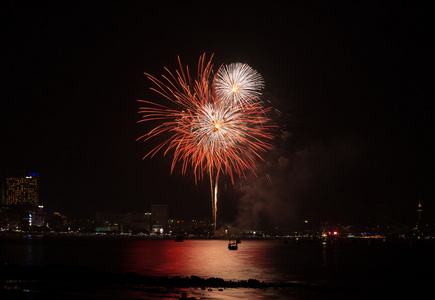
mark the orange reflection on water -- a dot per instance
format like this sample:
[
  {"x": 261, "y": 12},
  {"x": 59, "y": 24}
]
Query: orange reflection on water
[{"x": 203, "y": 258}]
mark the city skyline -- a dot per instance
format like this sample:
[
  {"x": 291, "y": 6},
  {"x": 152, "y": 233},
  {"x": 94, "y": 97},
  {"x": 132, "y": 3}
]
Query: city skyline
[
  {"x": 20, "y": 210},
  {"x": 348, "y": 81}
]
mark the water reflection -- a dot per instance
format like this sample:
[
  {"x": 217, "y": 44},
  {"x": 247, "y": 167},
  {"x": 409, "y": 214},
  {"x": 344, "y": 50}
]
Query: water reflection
[
  {"x": 324, "y": 258},
  {"x": 33, "y": 253},
  {"x": 270, "y": 261},
  {"x": 203, "y": 258},
  {"x": 349, "y": 268}
]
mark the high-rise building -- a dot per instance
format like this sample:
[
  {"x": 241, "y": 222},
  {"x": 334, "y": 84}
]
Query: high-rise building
[
  {"x": 22, "y": 190},
  {"x": 159, "y": 214},
  {"x": 419, "y": 211},
  {"x": 2, "y": 191}
]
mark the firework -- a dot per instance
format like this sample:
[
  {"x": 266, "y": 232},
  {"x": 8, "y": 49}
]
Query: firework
[
  {"x": 210, "y": 133},
  {"x": 238, "y": 83}
]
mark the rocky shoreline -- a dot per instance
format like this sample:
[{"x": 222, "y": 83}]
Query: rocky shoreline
[
  {"x": 57, "y": 273},
  {"x": 46, "y": 281}
]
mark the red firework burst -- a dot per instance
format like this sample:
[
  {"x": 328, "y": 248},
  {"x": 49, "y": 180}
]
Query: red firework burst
[{"x": 206, "y": 132}]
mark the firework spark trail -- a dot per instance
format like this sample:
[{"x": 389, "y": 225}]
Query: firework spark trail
[{"x": 213, "y": 134}]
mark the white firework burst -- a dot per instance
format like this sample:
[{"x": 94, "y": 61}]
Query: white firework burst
[
  {"x": 216, "y": 127},
  {"x": 238, "y": 83}
]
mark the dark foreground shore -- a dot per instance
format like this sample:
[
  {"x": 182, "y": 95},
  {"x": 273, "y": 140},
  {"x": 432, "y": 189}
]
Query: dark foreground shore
[
  {"x": 349, "y": 270},
  {"x": 62, "y": 282},
  {"x": 50, "y": 282}
]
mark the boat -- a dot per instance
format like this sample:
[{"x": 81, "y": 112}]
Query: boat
[
  {"x": 179, "y": 238},
  {"x": 232, "y": 245}
]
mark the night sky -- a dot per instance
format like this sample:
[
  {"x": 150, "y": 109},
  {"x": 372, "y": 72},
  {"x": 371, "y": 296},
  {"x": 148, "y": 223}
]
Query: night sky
[{"x": 350, "y": 80}]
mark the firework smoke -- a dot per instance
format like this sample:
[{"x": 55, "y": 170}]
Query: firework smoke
[{"x": 208, "y": 130}]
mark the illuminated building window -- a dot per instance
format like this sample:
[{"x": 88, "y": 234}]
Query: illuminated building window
[{"x": 22, "y": 190}]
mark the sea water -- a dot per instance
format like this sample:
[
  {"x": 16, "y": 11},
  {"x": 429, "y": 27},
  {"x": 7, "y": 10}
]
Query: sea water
[{"x": 353, "y": 269}]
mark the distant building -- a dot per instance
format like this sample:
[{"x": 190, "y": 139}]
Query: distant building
[
  {"x": 119, "y": 222},
  {"x": 419, "y": 211},
  {"x": 2, "y": 191},
  {"x": 37, "y": 217},
  {"x": 22, "y": 190},
  {"x": 159, "y": 214},
  {"x": 384, "y": 216},
  {"x": 9, "y": 219}
]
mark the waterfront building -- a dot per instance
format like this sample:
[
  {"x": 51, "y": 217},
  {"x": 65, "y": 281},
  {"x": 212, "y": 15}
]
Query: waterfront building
[
  {"x": 22, "y": 190},
  {"x": 37, "y": 217},
  {"x": 159, "y": 214},
  {"x": 9, "y": 220},
  {"x": 119, "y": 222}
]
